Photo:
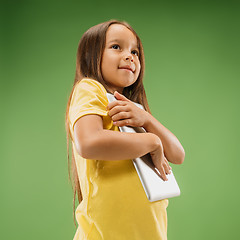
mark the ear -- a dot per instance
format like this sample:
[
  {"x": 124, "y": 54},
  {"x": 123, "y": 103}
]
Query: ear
[{"x": 119, "y": 96}]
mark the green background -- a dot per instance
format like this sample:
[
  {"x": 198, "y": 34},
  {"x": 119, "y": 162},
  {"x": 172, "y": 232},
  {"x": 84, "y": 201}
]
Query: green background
[{"x": 192, "y": 85}]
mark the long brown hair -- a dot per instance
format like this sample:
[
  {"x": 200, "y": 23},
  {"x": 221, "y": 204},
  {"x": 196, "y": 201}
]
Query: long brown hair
[{"x": 88, "y": 64}]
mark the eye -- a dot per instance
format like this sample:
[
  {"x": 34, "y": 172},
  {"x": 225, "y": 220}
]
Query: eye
[
  {"x": 115, "y": 46},
  {"x": 135, "y": 52}
]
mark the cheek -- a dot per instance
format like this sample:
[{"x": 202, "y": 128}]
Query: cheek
[
  {"x": 104, "y": 64},
  {"x": 138, "y": 67},
  {"x": 102, "y": 67},
  {"x": 108, "y": 60}
]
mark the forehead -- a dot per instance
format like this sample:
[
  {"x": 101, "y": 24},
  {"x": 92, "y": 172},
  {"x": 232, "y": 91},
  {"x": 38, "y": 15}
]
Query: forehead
[{"x": 121, "y": 33}]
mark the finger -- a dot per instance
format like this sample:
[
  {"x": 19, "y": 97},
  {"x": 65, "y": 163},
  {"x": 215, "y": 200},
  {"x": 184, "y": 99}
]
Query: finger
[
  {"x": 166, "y": 166},
  {"x": 167, "y": 162},
  {"x": 120, "y": 96},
  {"x": 167, "y": 169},
  {"x": 161, "y": 170},
  {"x": 120, "y": 116},
  {"x": 115, "y": 103},
  {"x": 112, "y": 104},
  {"x": 117, "y": 109},
  {"x": 122, "y": 123}
]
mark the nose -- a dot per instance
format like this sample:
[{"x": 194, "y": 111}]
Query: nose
[
  {"x": 129, "y": 56},
  {"x": 131, "y": 59}
]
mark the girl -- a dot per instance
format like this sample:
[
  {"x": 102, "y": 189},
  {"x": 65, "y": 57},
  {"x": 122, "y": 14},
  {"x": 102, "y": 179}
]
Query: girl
[{"x": 113, "y": 204}]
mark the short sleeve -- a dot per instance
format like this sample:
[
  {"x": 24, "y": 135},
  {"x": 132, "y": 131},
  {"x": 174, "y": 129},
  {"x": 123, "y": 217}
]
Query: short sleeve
[{"x": 89, "y": 97}]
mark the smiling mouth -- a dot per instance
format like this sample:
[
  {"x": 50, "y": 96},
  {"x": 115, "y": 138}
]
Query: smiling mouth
[{"x": 127, "y": 69}]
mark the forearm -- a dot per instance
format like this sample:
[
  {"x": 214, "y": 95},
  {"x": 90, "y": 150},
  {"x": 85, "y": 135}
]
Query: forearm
[
  {"x": 113, "y": 145},
  {"x": 173, "y": 149}
]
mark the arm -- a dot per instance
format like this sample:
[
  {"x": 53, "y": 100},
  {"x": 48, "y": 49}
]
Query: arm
[
  {"x": 94, "y": 142},
  {"x": 173, "y": 149},
  {"x": 125, "y": 113}
]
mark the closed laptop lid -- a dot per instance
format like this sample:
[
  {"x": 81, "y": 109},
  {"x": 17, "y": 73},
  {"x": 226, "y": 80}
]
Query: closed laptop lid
[{"x": 154, "y": 186}]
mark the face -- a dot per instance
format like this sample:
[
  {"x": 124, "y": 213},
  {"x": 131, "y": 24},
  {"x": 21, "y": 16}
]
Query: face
[{"x": 120, "y": 62}]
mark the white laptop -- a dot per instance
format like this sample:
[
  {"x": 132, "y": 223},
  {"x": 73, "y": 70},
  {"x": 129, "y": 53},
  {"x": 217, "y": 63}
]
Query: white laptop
[{"x": 154, "y": 186}]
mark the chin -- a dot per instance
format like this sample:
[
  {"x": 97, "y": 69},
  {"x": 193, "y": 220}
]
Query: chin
[
  {"x": 131, "y": 83},
  {"x": 128, "y": 82}
]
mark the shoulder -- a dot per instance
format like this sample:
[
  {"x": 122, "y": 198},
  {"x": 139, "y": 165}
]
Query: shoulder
[
  {"x": 89, "y": 92},
  {"x": 90, "y": 85}
]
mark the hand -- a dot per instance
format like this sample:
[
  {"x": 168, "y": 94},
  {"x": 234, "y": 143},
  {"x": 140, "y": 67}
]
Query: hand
[
  {"x": 160, "y": 162},
  {"x": 125, "y": 113}
]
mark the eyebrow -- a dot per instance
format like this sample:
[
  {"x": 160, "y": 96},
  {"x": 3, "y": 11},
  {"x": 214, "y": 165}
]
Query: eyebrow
[{"x": 117, "y": 40}]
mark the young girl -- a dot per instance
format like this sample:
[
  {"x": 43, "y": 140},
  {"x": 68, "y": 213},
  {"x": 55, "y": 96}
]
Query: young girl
[{"x": 113, "y": 204}]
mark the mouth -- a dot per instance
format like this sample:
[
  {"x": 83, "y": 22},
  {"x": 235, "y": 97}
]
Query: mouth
[{"x": 128, "y": 68}]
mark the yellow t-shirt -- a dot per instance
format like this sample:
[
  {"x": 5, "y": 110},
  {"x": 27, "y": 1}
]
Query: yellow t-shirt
[{"x": 114, "y": 206}]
